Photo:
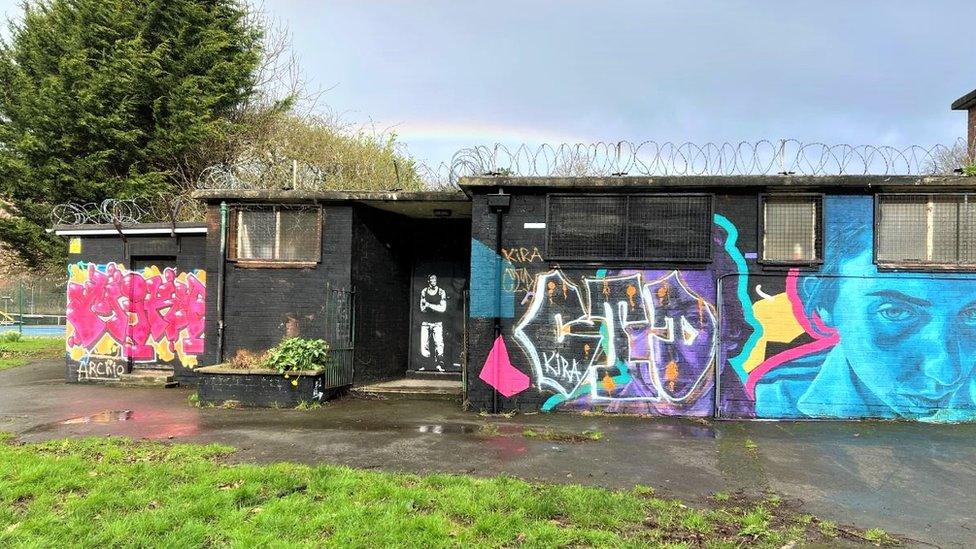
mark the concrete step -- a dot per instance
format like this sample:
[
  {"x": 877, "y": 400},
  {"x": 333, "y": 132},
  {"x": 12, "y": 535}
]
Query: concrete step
[
  {"x": 147, "y": 378},
  {"x": 412, "y": 389},
  {"x": 434, "y": 375}
]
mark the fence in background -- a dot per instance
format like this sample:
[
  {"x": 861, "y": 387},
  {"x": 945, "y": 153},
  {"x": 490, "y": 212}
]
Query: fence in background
[{"x": 33, "y": 305}]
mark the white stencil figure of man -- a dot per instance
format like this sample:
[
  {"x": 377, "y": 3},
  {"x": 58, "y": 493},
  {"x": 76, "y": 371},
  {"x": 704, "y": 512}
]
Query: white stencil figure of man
[{"x": 433, "y": 303}]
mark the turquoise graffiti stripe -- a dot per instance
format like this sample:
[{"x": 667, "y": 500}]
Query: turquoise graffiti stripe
[{"x": 742, "y": 291}]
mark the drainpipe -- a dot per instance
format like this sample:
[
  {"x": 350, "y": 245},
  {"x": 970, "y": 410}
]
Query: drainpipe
[
  {"x": 221, "y": 266},
  {"x": 498, "y": 204}
]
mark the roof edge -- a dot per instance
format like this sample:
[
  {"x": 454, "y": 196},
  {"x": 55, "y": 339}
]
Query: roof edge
[
  {"x": 965, "y": 102},
  {"x": 713, "y": 181},
  {"x": 211, "y": 195},
  {"x": 107, "y": 229}
]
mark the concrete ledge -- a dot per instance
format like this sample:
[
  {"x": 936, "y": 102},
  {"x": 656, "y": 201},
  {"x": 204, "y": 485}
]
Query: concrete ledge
[{"x": 225, "y": 369}]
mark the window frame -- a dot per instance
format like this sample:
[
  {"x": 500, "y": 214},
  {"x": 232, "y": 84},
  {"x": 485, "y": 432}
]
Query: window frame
[
  {"x": 920, "y": 266},
  {"x": 234, "y": 235},
  {"x": 624, "y": 259},
  {"x": 820, "y": 220}
]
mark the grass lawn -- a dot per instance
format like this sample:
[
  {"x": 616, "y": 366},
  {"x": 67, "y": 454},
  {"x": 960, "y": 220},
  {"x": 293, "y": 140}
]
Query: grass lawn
[
  {"x": 115, "y": 492},
  {"x": 29, "y": 349}
]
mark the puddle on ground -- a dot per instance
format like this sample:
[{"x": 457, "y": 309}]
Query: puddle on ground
[
  {"x": 106, "y": 416},
  {"x": 445, "y": 429}
]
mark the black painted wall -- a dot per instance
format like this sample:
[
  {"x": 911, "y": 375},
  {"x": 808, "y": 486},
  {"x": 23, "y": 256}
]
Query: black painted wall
[
  {"x": 364, "y": 249},
  {"x": 264, "y": 305},
  {"x": 381, "y": 276},
  {"x": 185, "y": 253},
  {"x": 189, "y": 250},
  {"x": 525, "y": 207}
]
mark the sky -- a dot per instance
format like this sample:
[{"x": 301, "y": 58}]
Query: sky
[{"x": 445, "y": 75}]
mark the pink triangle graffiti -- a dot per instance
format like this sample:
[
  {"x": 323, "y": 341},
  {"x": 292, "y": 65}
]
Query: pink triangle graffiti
[{"x": 499, "y": 372}]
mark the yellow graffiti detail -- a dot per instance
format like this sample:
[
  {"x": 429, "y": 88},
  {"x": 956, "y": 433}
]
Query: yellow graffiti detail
[
  {"x": 671, "y": 374},
  {"x": 779, "y": 326},
  {"x": 106, "y": 346},
  {"x": 631, "y": 292}
]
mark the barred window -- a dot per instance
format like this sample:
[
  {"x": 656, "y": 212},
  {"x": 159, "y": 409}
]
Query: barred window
[
  {"x": 791, "y": 229},
  {"x": 927, "y": 229},
  {"x": 640, "y": 227},
  {"x": 276, "y": 233}
]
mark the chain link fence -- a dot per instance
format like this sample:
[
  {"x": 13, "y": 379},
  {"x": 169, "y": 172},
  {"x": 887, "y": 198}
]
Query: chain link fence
[{"x": 33, "y": 305}]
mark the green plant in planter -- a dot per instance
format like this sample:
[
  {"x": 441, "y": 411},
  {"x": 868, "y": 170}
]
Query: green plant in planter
[
  {"x": 970, "y": 170},
  {"x": 296, "y": 353}
]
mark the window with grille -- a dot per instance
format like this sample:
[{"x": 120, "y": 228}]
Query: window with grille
[
  {"x": 640, "y": 227},
  {"x": 276, "y": 233},
  {"x": 926, "y": 229},
  {"x": 791, "y": 229}
]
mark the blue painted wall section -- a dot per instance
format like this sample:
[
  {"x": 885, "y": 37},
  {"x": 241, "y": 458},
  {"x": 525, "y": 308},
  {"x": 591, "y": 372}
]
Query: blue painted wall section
[{"x": 488, "y": 270}]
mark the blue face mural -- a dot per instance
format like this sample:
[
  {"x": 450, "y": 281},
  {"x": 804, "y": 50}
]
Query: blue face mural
[{"x": 876, "y": 344}]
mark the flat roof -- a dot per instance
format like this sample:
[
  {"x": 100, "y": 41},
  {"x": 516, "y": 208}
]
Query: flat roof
[
  {"x": 597, "y": 183},
  {"x": 211, "y": 195},
  {"x": 107, "y": 229},
  {"x": 422, "y": 204},
  {"x": 965, "y": 102}
]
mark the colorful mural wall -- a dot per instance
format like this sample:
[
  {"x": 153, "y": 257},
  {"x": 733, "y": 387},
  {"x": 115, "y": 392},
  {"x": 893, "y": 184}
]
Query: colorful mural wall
[
  {"x": 841, "y": 340},
  {"x": 117, "y": 318},
  {"x": 849, "y": 340},
  {"x": 619, "y": 340},
  {"x": 635, "y": 340}
]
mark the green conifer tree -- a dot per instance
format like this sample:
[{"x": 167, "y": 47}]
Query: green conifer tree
[{"x": 106, "y": 98}]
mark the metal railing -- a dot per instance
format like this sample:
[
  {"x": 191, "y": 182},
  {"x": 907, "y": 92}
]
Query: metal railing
[{"x": 340, "y": 334}]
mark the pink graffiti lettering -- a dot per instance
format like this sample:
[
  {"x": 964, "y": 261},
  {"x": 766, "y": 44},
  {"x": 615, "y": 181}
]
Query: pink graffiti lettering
[{"x": 139, "y": 312}]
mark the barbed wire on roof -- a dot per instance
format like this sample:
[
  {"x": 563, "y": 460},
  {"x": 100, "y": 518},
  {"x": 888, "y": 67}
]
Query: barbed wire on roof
[
  {"x": 160, "y": 208},
  {"x": 652, "y": 158},
  {"x": 258, "y": 174}
]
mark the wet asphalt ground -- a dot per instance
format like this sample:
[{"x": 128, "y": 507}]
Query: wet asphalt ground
[{"x": 913, "y": 480}]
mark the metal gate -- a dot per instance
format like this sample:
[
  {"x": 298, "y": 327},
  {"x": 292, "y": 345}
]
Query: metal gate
[{"x": 340, "y": 334}]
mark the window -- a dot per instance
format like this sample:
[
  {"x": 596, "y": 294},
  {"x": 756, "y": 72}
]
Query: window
[
  {"x": 791, "y": 229},
  {"x": 276, "y": 233},
  {"x": 640, "y": 227},
  {"x": 926, "y": 229}
]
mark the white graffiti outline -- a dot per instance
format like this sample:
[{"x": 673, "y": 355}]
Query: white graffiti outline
[
  {"x": 524, "y": 341},
  {"x": 665, "y": 333}
]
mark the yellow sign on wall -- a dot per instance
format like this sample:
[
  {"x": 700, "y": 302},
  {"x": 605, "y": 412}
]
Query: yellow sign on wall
[{"x": 74, "y": 246}]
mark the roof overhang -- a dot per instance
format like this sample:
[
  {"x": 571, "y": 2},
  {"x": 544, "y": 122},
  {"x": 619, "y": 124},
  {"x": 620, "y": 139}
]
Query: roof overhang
[
  {"x": 133, "y": 229},
  {"x": 418, "y": 204},
  {"x": 965, "y": 102}
]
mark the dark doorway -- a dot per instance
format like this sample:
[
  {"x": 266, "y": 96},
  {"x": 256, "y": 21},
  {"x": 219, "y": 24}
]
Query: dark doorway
[
  {"x": 141, "y": 262},
  {"x": 437, "y": 315}
]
